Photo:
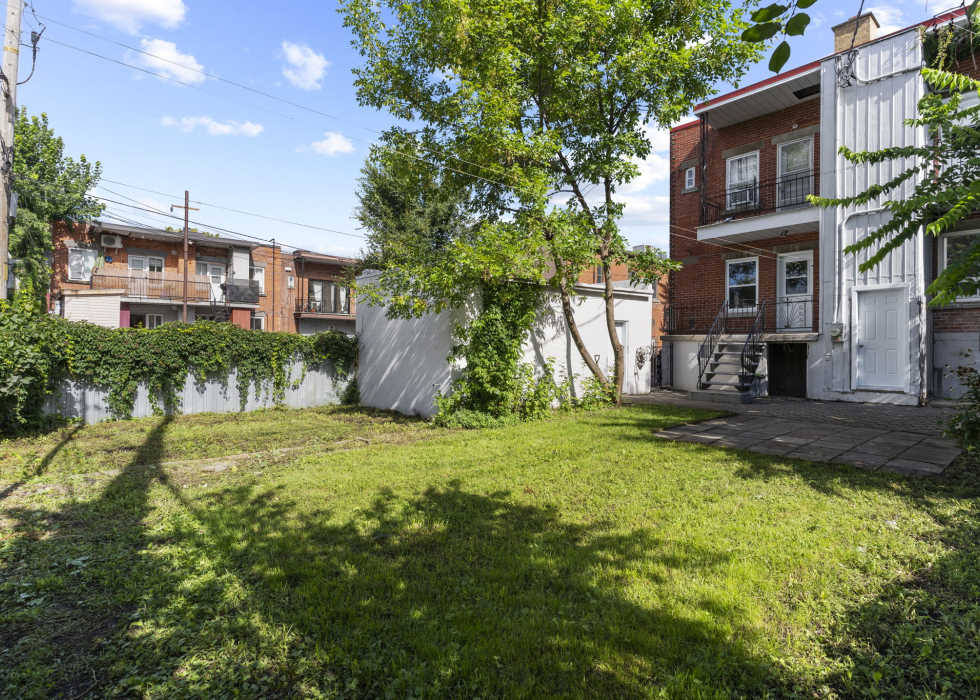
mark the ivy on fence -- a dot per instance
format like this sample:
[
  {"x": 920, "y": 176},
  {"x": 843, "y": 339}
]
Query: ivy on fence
[{"x": 37, "y": 352}]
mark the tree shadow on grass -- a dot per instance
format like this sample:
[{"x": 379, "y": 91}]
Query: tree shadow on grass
[
  {"x": 68, "y": 580},
  {"x": 448, "y": 593}
]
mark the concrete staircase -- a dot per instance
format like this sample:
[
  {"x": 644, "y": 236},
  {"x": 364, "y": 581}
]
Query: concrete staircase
[{"x": 724, "y": 379}]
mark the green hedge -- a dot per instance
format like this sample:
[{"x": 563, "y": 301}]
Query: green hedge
[{"x": 38, "y": 352}]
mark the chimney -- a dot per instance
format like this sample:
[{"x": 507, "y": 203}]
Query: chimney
[{"x": 867, "y": 30}]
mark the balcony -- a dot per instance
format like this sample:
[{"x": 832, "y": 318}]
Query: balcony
[
  {"x": 309, "y": 308},
  {"x": 760, "y": 209},
  {"x": 795, "y": 314},
  {"x": 170, "y": 287}
]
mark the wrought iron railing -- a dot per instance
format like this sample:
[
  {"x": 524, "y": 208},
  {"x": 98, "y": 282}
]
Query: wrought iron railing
[
  {"x": 759, "y": 197},
  {"x": 324, "y": 306},
  {"x": 715, "y": 332},
  {"x": 781, "y": 314},
  {"x": 154, "y": 287},
  {"x": 241, "y": 291},
  {"x": 752, "y": 341}
]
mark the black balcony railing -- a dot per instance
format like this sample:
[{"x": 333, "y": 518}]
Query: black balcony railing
[
  {"x": 147, "y": 288},
  {"x": 759, "y": 197},
  {"x": 781, "y": 314},
  {"x": 324, "y": 306},
  {"x": 241, "y": 291}
]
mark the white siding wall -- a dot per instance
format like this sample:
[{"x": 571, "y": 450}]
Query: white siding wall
[
  {"x": 403, "y": 364},
  {"x": 101, "y": 309},
  {"x": 867, "y": 116}
]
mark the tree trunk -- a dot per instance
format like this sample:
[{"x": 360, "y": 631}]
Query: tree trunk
[
  {"x": 610, "y": 303},
  {"x": 566, "y": 306}
]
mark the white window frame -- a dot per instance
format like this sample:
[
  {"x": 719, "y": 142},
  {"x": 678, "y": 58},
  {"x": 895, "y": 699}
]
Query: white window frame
[
  {"x": 290, "y": 282},
  {"x": 690, "y": 178},
  {"x": 729, "y": 203},
  {"x": 155, "y": 323},
  {"x": 252, "y": 270},
  {"x": 147, "y": 262},
  {"x": 597, "y": 277},
  {"x": 95, "y": 259},
  {"x": 944, "y": 255},
  {"x": 728, "y": 287},
  {"x": 780, "y": 173},
  {"x": 261, "y": 323}
]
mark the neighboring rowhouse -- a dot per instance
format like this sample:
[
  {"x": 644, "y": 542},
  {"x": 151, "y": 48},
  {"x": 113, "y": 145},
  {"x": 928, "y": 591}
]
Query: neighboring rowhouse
[
  {"x": 131, "y": 276},
  {"x": 402, "y": 365},
  {"x": 766, "y": 298}
]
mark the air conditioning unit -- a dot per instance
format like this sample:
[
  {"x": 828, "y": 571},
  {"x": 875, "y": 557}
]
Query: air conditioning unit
[{"x": 111, "y": 241}]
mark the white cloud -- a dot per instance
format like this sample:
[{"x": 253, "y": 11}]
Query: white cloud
[
  {"x": 215, "y": 128},
  {"x": 890, "y": 18},
  {"x": 131, "y": 15},
  {"x": 339, "y": 251},
  {"x": 167, "y": 60},
  {"x": 305, "y": 68},
  {"x": 642, "y": 211},
  {"x": 332, "y": 145},
  {"x": 654, "y": 169}
]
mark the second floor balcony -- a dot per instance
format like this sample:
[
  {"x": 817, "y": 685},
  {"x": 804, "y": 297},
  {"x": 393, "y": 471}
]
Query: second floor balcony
[
  {"x": 781, "y": 314},
  {"x": 167, "y": 286},
  {"x": 754, "y": 209}
]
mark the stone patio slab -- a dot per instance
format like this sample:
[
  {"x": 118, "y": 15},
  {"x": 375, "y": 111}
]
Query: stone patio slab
[
  {"x": 792, "y": 440},
  {"x": 930, "y": 454},
  {"x": 881, "y": 448},
  {"x": 737, "y": 443},
  {"x": 694, "y": 438},
  {"x": 833, "y": 443},
  {"x": 859, "y": 459},
  {"x": 818, "y": 455}
]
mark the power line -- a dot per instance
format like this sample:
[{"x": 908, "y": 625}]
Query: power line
[{"x": 264, "y": 94}]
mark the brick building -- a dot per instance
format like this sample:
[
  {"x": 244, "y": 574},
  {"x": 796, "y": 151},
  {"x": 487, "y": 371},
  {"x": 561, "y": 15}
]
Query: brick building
[
  {"x": 766, "y": 300},
  {"x": 130, "y": 276},
  {"x": 621, "y": 278}
]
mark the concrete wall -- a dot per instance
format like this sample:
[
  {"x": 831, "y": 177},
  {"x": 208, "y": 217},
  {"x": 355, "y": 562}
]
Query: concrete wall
[
  {"x": 403, "y": 365},
  {"x": 320, "y": 387}
]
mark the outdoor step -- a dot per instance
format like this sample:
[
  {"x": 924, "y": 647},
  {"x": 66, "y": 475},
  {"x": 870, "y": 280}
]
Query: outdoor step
[
  {"x": 719, "y": 396},
  {"x": 736, "y": 383}
]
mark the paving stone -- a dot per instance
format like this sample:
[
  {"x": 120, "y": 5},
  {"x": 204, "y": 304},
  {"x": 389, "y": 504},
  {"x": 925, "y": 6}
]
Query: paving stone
[
  {"x": 694, "y": 438},
  {"x": 833, "y": 443},
  {"x": 738, "y": 443},
  {"x": 771, "y": 447},
  {"x": 219, "y": 467},
  {"x": 904, "y": 471},
  {"x": 814, "y": 433},
  {"x": 859, "y": 459},
  {"x": 791, "y": 440},
  {"x": 912, "y": 464},
  {"x": 823, "y": 455},
  {"x": 928, "y": 453},
  {"x": 866, "y": 433},
  {"x": 880, "y": 448},
  {"x": 943, "y": 442}
]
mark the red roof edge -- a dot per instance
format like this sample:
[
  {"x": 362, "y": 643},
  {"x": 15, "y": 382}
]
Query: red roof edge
[
  {"x": 762, "y": 83},
  {"x": 688, "y": 125}
]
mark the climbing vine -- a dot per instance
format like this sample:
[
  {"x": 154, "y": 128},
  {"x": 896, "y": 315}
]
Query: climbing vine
[
  {"x": 39, "y": 351},
  {"x": 494, "y": 386}
]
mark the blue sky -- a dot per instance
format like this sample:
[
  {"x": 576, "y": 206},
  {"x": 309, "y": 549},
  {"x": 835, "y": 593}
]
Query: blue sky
[{"x": 161, "y": 136}]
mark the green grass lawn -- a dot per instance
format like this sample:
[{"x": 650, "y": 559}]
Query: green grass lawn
[{"x": 578, "y": 557}]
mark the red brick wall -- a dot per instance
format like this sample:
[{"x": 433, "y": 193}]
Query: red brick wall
[
  {"x": 701, "y": 282},
  {"x": 951, "y": 320}
]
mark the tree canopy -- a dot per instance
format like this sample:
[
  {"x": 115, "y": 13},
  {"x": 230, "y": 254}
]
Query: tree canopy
[
  {"x": 50, "y": 186},
  {"x": 538, "y": 109}
]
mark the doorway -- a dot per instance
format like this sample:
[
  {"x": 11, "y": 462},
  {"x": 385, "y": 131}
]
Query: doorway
[
  {"x": 787, "y": 369},
  {"x": 881, "y": 354}
]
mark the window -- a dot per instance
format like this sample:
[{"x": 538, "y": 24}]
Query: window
[
  {"x": 597, "y": 277},
  {"x": 743, "y": 180},
  {"x": 320, "y": 299},
  {"x": 154, "y": 320},
  {"x": 141, "y": 263},
  {"x": 290, "y": 282},
  {"x": 795, "y": 173},
  {"x": 257, "y": 322},
  {"x": 742, "y": 282},
  {"x": 81, "y": 261},
  {"x": 689, "y": 179},
  {"x": 257, "y": 274},
  {"x": 954, "y": 245}
]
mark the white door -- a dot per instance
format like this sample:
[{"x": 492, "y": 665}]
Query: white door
[
  {"x": 882, "y": 339},
  {"x": 794, "y": 287},
  {"x": 623, "y": 333},
  {"x": 216, "y": 274}
]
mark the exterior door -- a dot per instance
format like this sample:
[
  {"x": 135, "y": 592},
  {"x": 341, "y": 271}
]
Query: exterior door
[
  {"x": 216, "y": 275},
  {"x": 794, "y": 290},
  {"x": 882, "y": 339}
]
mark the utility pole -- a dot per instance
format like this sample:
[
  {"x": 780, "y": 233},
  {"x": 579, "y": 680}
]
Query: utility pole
[
  {"x": 187, "y": 210},
  {"x": 8, "y": 82}
]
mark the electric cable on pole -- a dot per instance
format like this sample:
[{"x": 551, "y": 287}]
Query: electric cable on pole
[
  {"x": 187, "y": 210},
  {"x": 8, "y": 82}
]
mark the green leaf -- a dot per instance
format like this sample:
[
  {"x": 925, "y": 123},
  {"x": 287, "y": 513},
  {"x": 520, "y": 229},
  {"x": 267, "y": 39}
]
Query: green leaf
[
  {"x": 761, "y": 32},
  {"x": 779, "y": 57},
  {"x": 767, "y": 14},
  {"x": 797, "y": 24},
  {"x": 803, "y": 4},
  {"x": 972, "y": 10}
]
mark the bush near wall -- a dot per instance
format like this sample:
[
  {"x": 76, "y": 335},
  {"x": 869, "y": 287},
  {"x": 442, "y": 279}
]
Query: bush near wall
[{"x": 38, "y": 351}]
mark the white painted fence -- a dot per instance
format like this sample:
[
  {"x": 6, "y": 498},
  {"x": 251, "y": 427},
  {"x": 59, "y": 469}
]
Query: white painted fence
[{"x": 320, "y": 387}]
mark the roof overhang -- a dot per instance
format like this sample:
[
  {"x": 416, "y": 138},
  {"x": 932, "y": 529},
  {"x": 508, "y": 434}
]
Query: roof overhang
[
  {"x": 757, "y": 228},
  {"x": 777, "y": 93},
  {"x": 198, "y": 239}
]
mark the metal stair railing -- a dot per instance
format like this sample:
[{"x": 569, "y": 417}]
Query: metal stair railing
[
  {"x": 710, "y": 341},
  {"x": 750, "y": 340}
]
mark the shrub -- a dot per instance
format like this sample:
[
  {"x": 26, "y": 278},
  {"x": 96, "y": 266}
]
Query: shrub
[{"x": 965, "y": 425}]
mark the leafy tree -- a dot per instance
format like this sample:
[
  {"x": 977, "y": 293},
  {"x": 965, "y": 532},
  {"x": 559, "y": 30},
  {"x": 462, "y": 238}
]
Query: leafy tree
[
  {"x": 538, "y": 107},
  {"x": 50, "y": 187},
  {"x": 946, "y": 172}
]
